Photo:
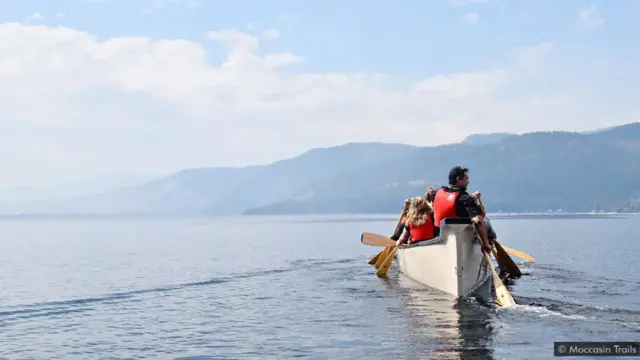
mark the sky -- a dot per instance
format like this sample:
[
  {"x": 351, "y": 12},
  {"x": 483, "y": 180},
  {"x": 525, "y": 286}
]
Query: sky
[{"x": 92, "y": 87}]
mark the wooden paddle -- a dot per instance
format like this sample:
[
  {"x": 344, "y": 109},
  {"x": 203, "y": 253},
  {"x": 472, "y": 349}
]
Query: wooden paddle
[
  {"x": 505, "y": 261},
  {"x": 372, "y": 239},
  {"x": 503, "y": 296},
  {"x": 386, "y": 264},
  {"x": 383, "y": 255},
  {"x": 495, "y": 255},
  {"x": 375, "y": 259},
  {"x": 524, "y": 256},
  {"x": 510, "y": 266}
]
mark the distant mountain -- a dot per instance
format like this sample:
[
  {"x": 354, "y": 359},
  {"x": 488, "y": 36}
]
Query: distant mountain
[
  {"x": 189, "y": 191},
  {"x": 539, "y": 171},
  {"x": 91, "y": 186},
  {"x": 485, "y": 139},
  {"x": 220, "y": 191},
  {"x": 286, "y": 178}
]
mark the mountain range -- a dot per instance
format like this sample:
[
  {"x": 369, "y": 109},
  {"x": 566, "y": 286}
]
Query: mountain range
[{"x": 534, "y": 172}]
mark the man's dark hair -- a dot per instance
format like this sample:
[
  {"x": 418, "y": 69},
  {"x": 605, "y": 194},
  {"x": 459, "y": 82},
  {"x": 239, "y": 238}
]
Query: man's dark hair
[{"x": 455, "y": 173}]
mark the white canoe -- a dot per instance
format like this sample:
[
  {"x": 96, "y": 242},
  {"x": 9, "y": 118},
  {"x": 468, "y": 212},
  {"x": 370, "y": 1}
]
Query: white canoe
[{"x": 453, "y": 262}]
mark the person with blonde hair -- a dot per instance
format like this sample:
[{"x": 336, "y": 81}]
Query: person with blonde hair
[
  {"x": 418, "y": 222},
  {"x": 402, "y": 226}
]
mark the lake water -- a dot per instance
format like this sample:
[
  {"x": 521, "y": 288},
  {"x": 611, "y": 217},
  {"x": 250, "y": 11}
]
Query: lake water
[{"x": 284, "y": 287}]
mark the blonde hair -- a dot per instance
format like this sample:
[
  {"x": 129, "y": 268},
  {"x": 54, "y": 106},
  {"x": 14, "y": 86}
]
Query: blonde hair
[{"x": 418, "y": 212}]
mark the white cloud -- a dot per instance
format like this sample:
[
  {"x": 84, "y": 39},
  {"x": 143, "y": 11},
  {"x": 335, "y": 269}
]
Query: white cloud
[
  {"x": 591, "y": 17},
  {"x": 74, "y": 105},
  {"x": 60, "y": 15},
  {"x": 471, "y": 17}
]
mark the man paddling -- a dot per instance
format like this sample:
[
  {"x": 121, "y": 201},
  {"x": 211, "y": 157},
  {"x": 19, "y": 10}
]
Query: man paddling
[
  {"x": 490, "y": 232},
  {"x": 453, "y": 201}
]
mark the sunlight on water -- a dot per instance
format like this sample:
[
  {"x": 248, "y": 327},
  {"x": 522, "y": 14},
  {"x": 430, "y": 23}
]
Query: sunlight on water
[{"x": 281, "y": 287}]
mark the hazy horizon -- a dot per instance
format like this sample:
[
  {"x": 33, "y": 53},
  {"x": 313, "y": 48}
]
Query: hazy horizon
[{"x": 104, "y": 176}]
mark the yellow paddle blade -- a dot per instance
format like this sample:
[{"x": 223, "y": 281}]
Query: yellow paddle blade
[
  {"x": 376, "y": 240},
  {"x": 382, "y": 271},
  {"x": 375, "y": 258},
  {"x": 524, "y": 256},
  {"x": 383, "y": 256},
  {"x": 503, "y": 296}
]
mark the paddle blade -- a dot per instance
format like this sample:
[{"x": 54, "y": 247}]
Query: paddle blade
[
  {"x": 506, "y": 262},
  {"x": 376, "y": 240},
  {"x": 375, "y": 258},
  {"x": 503, "y": 296},
  {"x": 383, "y": 255},
  {"x": 382, "y": 271},
  {"x": 495, "y": 256},
  {"x": 520, "y": 254}
]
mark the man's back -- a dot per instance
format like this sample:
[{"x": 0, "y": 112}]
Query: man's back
[{"x": 454, "y": 201}]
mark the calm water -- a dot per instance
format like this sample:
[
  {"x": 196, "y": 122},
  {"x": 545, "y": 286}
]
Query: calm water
[{"x": 284, "y": 287}]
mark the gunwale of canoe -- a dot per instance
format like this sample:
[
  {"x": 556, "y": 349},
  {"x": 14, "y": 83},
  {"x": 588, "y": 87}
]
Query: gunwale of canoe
[{"x": 453, "y": 262}]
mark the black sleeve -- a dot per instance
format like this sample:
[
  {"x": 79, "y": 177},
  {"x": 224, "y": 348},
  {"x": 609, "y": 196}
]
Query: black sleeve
[
  {"x": 471, "y": 205},
  {"x": 398, "y": 232}
]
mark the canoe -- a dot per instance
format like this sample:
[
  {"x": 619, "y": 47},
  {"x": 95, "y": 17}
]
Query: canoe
[{"x": 453, "y": 262}]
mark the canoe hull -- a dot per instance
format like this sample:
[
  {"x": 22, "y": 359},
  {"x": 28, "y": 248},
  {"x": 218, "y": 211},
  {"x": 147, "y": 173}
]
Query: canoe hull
[{"x": 453, "y": 262}]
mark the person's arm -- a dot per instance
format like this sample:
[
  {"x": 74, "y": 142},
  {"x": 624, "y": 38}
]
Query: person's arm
[
  {"x": 476, "y": 215},
  {"x": 398, "y": 232},
  {"x": 484, "y": 235},
  {"x": 478, "y": 196},
  {"x": 403, "y": 237}
]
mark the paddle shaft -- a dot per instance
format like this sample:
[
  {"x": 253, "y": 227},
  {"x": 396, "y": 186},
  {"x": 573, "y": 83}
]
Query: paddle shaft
[
  {"x": 385, "y": 257},
  {"x": 505, "y": 262},
  {"x": 376, "y": 259},
  {"x": 503, "y": 296}
]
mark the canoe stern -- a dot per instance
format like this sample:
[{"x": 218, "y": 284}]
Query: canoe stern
[{"x": 453, "y": 262}]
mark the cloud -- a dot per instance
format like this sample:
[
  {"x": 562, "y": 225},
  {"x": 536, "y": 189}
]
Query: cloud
[
  {"x": 590, "y": 16},
  {"x": 75, "y": 104},
  {"x": 471, "y": 18},
  {"x": 60, "y": 15}
]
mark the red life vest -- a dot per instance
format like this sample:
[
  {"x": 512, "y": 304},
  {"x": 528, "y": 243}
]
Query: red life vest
[
  {"x": 444, "y": 205},
  {"x": 422, "y": 232}
]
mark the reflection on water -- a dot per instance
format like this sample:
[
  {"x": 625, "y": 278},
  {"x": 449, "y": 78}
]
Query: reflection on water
[
  {"x": 453, "y": 329},
  {"x": 180, "y": 289}
]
